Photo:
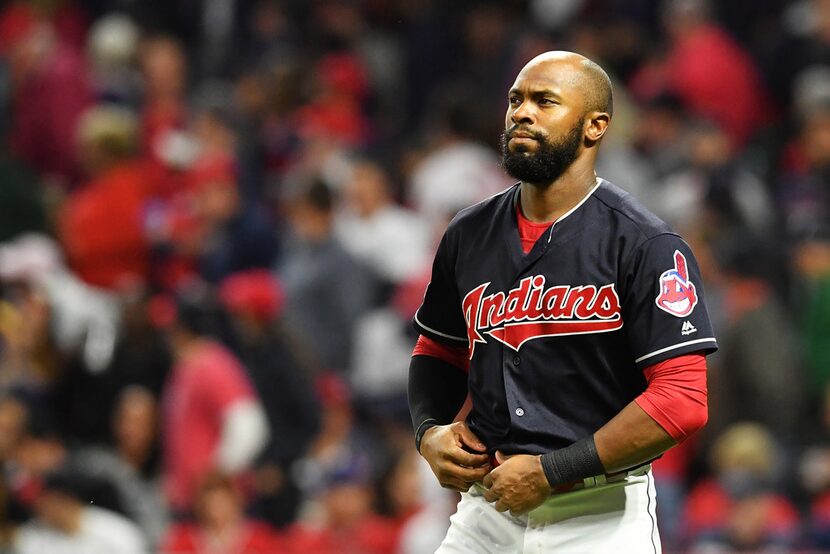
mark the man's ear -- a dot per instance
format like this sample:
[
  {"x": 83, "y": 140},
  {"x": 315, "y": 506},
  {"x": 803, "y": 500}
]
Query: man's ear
[{"x": 597, "y": 125}]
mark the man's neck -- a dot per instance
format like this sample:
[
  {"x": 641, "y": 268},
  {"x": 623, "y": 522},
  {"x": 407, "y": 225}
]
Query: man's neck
[{"x": 541, "y": 203}]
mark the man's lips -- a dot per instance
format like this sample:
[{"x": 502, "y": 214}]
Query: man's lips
[
  {"x": 520, "y": 135},
  {"x": 521, "y": 140}
]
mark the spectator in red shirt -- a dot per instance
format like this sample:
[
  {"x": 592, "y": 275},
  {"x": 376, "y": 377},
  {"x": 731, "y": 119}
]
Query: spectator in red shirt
[
  {"x": 212, "y": 419},
  {"x": 220, "y": 526},
  {"x": 335, "y": 110},
  {"x": 713, "y": 75},
  {"x": 739, "y": 508},
  {"x": 101, "y": 225}
]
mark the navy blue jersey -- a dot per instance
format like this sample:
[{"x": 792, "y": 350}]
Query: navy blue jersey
[{"x": 559, "y": 337}]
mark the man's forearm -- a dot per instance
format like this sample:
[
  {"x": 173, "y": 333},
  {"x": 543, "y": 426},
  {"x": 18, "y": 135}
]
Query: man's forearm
[
  {"x": 436, "y": 392},
  {"x": 673, "y": 407},
  {"x": 631, "y": 438}
]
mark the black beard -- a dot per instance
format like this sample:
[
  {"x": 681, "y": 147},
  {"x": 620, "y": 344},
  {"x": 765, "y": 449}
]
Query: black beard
[{"x": 548, "y": 163}]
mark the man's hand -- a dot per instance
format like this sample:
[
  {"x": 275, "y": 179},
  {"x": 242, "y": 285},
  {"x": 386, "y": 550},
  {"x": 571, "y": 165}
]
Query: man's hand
[
  {"x": 518, "y": 484},
  {"x": 443, "y": 447}
]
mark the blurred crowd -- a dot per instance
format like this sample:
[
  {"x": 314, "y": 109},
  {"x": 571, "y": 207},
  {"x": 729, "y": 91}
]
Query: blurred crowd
[{"x": 217, "y": 219}]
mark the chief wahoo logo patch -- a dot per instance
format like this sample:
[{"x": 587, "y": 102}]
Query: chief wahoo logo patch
[{"x": 678, "y": 295}]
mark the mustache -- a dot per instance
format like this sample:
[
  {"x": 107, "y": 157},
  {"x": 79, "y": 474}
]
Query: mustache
[{"x": 537, "y": 135}]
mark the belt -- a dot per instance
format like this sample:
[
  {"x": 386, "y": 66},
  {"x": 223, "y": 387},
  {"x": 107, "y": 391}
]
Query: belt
[
  {"x": 590, "y": 482},
  {"x": 595, "y": 481}
]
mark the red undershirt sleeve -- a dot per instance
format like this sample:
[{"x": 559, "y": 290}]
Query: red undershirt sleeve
[
  {"x": 459, "y": 356},
  {"x": 676, "y": 395}
]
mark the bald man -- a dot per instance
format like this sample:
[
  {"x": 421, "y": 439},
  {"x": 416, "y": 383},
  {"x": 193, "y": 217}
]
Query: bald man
[{"x": 575, "y": 319}]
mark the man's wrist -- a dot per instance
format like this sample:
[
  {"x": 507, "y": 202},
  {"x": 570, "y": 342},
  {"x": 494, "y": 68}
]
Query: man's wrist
[
  {"x": 573, "y": 463},
  {"x": 543, "y": 474},
  {"x": 425, "y": 426}
]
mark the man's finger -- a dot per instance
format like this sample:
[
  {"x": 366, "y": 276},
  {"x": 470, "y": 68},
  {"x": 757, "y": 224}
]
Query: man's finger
[
  {"x": 501, "y": 506},
  {"x": 501, "y": 457},
  {"x": 488, "y": 480},
  {"x": 470, "y": 439},
  {"x": 449, "y": 482},
  {"x": 468, "y": 474},
  {"x": 490, "y": 496},
  {"x": 464, "y": 458}
]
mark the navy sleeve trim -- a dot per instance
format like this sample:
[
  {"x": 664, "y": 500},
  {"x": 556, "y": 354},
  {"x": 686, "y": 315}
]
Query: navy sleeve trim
[
  {"x": 714, "y": 345},
  {"x": 430, "y": 331}
]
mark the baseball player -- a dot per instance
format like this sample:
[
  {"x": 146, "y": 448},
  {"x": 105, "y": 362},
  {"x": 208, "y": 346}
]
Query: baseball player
[{"x": 576, "y": 321}]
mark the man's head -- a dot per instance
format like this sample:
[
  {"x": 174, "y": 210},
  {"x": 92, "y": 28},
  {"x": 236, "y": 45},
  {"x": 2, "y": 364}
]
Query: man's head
[
  {"x": 311, "y": 210},
  {"x": 134, "y": 426},
  {"x": 164, "y": 66},
  {"x": 107, "y": 136},
  {"x": 61, "y": 501},
  {"x": 218, "y": 502},
  {"x": 195, "y": 315},
  {"x": 367, "y": 190},
  {"x": 558, "y": 111}
]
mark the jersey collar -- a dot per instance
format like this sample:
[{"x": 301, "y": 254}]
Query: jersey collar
[
  {"x": 519, "y": 259},
  {"x": 566, "y": 214}
]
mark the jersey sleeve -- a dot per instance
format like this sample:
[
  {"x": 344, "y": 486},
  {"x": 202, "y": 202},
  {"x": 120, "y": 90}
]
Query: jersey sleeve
[
  {"x": 440, "y": 317},
  {"x": 663, "y": 302}
]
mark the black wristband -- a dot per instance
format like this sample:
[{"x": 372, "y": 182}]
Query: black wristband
[
  {"x": 573, "y": 463},
  {"x": 425, "y": 425}
]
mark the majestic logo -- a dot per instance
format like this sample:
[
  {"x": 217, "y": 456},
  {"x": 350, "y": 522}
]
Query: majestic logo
[
  {"x": 688, "y": 328},
  {"x": 531, "y": 311},
  {"x": 678, "y": 295}
]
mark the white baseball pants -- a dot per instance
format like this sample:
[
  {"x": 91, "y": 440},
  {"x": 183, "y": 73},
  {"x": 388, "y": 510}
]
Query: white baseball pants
[{"x": 614, "y": 517}]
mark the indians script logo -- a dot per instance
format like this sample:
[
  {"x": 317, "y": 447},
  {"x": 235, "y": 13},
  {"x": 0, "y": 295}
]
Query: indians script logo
[
  {"x": 677, "y": 294},
  {"x": 530, "y": 311}
]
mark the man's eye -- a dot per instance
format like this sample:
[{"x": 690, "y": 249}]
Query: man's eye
[
  {"x": 547, "y": 101},
  {"x": 514, "y": 101}
]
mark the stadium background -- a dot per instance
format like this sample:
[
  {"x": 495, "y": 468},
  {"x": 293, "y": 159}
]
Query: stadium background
[{"x": 255, "y": 188}]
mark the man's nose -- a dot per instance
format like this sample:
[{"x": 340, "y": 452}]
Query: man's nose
[{"x": 523, "y": 114}]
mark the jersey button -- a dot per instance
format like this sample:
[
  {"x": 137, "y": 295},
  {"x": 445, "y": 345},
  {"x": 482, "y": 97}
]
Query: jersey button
[
  {"x": 516, "y": 360},
  {"x": 520, "y": 412}
]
